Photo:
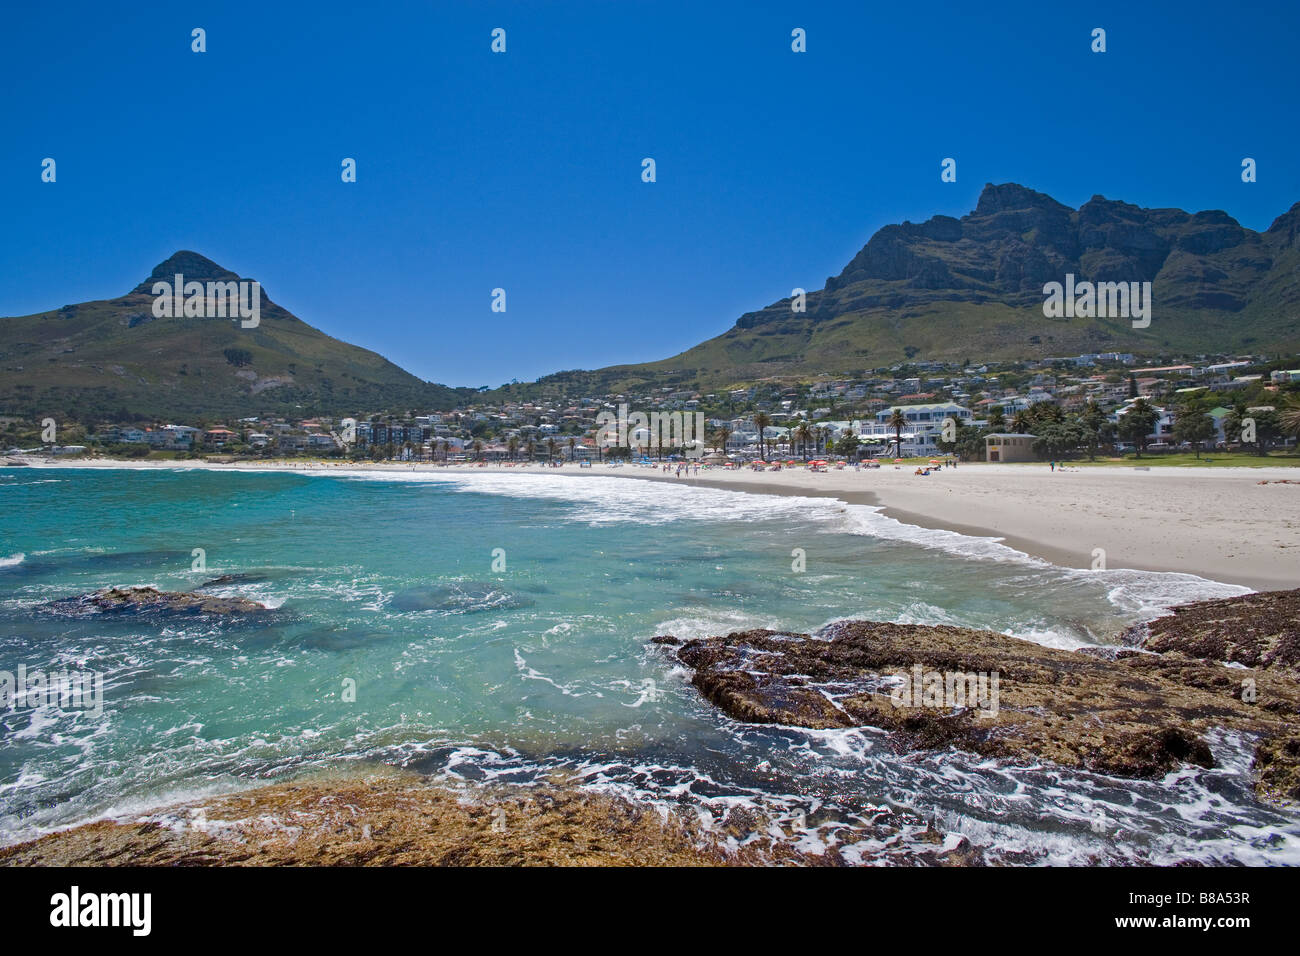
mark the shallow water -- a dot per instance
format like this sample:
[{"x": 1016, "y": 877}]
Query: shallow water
[{"x": 469, "y": 672}]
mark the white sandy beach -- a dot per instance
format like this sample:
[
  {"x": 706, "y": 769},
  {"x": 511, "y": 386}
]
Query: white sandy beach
[{"x": 1237, "y": 525}]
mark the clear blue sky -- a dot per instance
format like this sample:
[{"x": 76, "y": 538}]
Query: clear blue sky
[{"x": 523, "y": 170}]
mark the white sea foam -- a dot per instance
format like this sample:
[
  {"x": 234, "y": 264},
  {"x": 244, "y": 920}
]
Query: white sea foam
[{"x": 602, "y": 500}]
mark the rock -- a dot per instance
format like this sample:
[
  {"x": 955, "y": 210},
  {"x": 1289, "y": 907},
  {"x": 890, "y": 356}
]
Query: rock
[
  {"x": 151, "y": 600},
  {"x": 227, "y": 579},
  {"x": 1260, "y": 631},
  {"x": 1277, "y": 762},
  {"x": 1138, "y": 715}
]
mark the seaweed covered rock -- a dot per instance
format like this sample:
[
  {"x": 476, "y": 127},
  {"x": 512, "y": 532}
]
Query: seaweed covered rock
[
  {"x": 146, "y": 600},
  {"x": 1132, "y": 714}
]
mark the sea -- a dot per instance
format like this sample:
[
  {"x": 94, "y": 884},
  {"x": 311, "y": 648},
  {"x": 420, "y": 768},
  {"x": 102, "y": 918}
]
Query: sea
[{"x": 484, "y": 629}]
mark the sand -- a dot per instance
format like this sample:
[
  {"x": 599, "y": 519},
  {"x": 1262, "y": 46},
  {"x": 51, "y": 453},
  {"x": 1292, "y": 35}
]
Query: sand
[{"x": 1236, "y": 525}]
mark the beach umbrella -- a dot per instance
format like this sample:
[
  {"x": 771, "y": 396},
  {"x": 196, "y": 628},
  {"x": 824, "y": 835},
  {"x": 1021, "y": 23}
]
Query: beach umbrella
[{"x": 898, "y": 461}]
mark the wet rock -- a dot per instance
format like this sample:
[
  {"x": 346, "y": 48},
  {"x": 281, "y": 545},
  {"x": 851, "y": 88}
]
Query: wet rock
[
  {"x": 147, "y": 600},
  {"x": 1137, "y": 715},
  {"x": 1260, "y": 631},
  {"x": 225, "y": 580},
  {"x": 1277, "y": 762}
]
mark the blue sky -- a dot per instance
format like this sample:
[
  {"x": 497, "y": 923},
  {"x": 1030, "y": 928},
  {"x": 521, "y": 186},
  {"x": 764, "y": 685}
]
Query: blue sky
[{"x": 523, "y": 170}]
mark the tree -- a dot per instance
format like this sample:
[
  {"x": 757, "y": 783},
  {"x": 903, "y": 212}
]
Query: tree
[
  {"x": 1137, "y": 424},
  {"x": 1022, "y": 423},
  {"x": 1194, "y": 426},
  {"x": 1094, "y": 423},
  {"x": 572, "y": 442},
  {"x": 1268, "y": 428},
  {"x": 847, "y": 445},
  {"x": 1288, "y": 416},
  {"x": 761, "y": 421},
  {"x": 550, "y": 449},
  {"x": 512, "y": 445},
  {"x": 1056, "y": 439},
  {"x": 804, "y": 434},
  {"x": 897, "y": 421},
  {"x": 720, "y": 438},
  {"x": 997, "y": 420}
]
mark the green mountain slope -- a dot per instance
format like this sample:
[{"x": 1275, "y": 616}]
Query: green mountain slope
[
  {"x": 112, "y": 359},
  {"x": 952, "y": 289}
]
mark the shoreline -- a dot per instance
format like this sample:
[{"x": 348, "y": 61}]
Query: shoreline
[{"x": 1233, "y": 525}]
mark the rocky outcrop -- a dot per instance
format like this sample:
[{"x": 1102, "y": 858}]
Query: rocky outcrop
[
  {"x": 388, "y": 817},
  {"x": 152, "y": 601},
  {"x": 386, "y": 820},
  {"x": 1125, "y": 712},
  {"x": 1016, "y": 239},
  {"x": 1259, "y": 631}
]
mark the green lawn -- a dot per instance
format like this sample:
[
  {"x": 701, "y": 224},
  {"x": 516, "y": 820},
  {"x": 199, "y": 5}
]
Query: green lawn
[{"x": 1208, "y": 459}]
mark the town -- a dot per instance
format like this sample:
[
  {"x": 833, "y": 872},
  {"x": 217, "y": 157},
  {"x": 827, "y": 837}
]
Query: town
[{"x": 1101, "y": 403}]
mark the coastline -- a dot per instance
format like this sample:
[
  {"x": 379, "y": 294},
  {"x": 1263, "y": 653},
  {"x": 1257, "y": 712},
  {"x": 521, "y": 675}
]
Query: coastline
[
  {"x": 1234, "y": 525},
  {"x": 341, "y": 819}
]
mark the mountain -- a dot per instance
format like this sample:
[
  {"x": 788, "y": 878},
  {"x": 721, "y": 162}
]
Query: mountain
[
  {"x": 113, "y": 359},
  {"x": 951, "y": 289}
]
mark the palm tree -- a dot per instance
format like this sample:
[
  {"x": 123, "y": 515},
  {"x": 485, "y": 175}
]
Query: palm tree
[
  {"x": 531, "y": 449},
  {"x": 572, "y": 442},
  {"x": 513, "y": 446},
  {"x": 1288, "y": 416},
  {"x": 478, "y": 448},
  {"x": 761, "y": 421},
  {"x": 550, "y": 449},
  {"x": 720, "y": 438},
  {"x": 804, "y": 434},
  {"x": 898, "y": 421},
  {"x": 1021, "y": 423},
  {"x": 1093, "y": 420}
]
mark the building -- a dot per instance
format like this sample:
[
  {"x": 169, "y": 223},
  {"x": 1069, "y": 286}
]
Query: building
[
  {"x": 924, "y": 427},
  {"x": 1009, "y": 446}
]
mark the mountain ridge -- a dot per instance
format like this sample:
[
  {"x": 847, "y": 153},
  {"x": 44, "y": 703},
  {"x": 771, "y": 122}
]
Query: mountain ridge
[
  {"x": 946, "y": 289},
  {"x": 950, "y": 289},
  {"x": 114, "y": 359}
]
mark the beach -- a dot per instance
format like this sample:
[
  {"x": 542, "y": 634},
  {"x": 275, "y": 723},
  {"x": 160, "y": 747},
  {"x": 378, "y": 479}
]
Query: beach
[
  {"x": 1235, "y": 525},
  {"x": 503, "y": 632}
]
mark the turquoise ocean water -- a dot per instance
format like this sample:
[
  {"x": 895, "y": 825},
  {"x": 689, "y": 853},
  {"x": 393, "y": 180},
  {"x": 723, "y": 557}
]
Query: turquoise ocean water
[{"x": 473, "y": 674}]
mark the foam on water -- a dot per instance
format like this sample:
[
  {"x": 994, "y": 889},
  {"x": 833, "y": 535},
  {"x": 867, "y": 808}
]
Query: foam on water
[{"x": 474, "y": 676}]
